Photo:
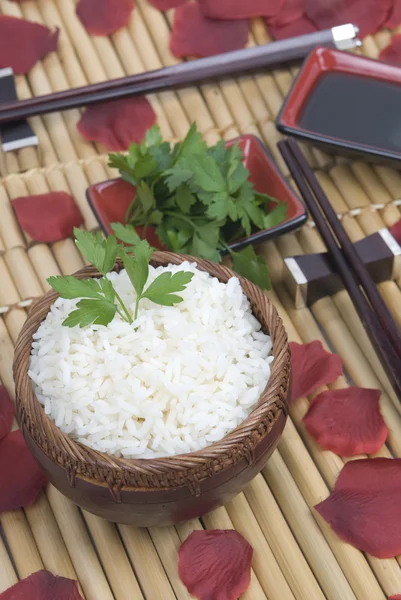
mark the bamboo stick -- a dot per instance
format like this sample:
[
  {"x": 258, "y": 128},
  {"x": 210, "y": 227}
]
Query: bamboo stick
[
  {"x": 390, "y": 178},
  {"x": 44, "y": 264},
  {"x": 370, "y": 183},
  {"x": 285, "y": 548},
  {"x": 146, "y": 562},
  {"x": 19, "y": 538},
  {"x": 48, "y": 539},
  {"x": 68, "y": 258},
  {"x": 9, "y": 229},
  {"x": 114, "y": 559},
  {"x": 8, "y": 576},
  {"x": 309, "y": 531},
  {"x": 219, "y": 519},
  {"x": 132, "y": 65},
  {"x": 265, "y": 564},
  {"x": 81, "y": 42},
  {"x": 168, "y": 543},
  {"x": 80, "y": 548}
]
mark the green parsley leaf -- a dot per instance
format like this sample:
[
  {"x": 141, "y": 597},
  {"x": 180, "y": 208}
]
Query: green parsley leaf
[
  {"x": 126, "y": 233},
  {"x": 107, "y": 289},
  {"x": 98, "y": 312},
  {"x": 163, "y": 289},
  {"x": 192, "y": 143},
  {"x": 202, "y": 249},
  {"x": 206, "y": 172},
  {"x": 184, "y": 199},
  {"x": 153, "y": 136},
  {"x": 100, "y": 253},
  {"x": 236, "y": 177},
  {"x": 111, "y": 251},
  {"x": 146, "y": 197},
  {"x": 218, "y": 152},
  {"x": 69, "y": 287},
  {"x": 137, "y": 267},
  {"x": 276, "y": 216},
  {"x": 176, "y": 176},
  {"x": 251, "y": 266}
]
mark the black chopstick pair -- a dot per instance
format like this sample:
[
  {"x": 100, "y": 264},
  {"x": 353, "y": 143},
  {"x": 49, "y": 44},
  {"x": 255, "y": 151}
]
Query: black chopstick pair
[{"x": 373, "y": 312}]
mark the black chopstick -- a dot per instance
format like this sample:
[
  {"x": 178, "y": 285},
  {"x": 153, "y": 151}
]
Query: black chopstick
[
  {"x": 317, "y": 201},
  {"x": 184, "y": 74}
]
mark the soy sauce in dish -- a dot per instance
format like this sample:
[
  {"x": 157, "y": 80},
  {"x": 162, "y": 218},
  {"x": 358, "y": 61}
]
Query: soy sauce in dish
[{"x": 355, "y": 108}]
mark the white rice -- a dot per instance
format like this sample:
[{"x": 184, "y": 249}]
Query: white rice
[{"x": 186, "y": 377}]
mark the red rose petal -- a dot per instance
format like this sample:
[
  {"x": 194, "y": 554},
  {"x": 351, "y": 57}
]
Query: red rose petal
[
  {"x": 240, "y": 9},
  {"x": 215, "y": 564},
  {"x": 48, "y": 217},
  {"x": 395, "y": 229},
  {"x": 364, "y": 507},
  {"x": 368, "y": 15},
  {"x": 347, "y": 421},
  {"x": 104, "y": 17},
  {"x": 301, "y": 26},
  {"x": 195, "y": 35},
  {"x": 21, "y": 480},
  {"x": 397, "y": 597},
  {"x": 42, "y": 585},
  {"x": 38, "y": 41},
  {"x": 395, "y": 15},
  {"x": 166, "y": 4},
  {"x": 118, "y": 123},
  {"x": 290, "y": 11},
  {"x": 312, "y": 367},
  {"x": 6, "y": 412},
  {"x": 392, "y": 55}
]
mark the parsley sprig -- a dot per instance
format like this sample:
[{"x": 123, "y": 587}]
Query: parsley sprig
[
  {"x": 199, "y": 199},
  {"x": 99, "y": 301}
]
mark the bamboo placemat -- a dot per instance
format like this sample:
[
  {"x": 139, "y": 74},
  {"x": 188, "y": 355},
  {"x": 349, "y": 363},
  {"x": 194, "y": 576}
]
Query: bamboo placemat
[{"x": 297, "y": 556}]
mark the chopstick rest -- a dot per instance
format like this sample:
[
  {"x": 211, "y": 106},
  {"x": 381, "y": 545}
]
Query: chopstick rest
[
  {"x": 311, "y": 277},
  {"x": 18, "y": 134}
]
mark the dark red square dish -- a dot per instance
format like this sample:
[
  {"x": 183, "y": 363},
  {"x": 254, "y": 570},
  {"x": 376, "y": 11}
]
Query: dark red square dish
[
  {"x": 110, "y": 199},
  {"x": 348, "y": 103}
]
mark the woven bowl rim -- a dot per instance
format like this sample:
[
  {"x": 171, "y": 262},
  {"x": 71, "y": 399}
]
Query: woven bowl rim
[{"x": 79, "y": 460}]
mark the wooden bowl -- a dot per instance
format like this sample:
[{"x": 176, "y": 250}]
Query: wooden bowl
[{"x": 160, "y": 491}]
